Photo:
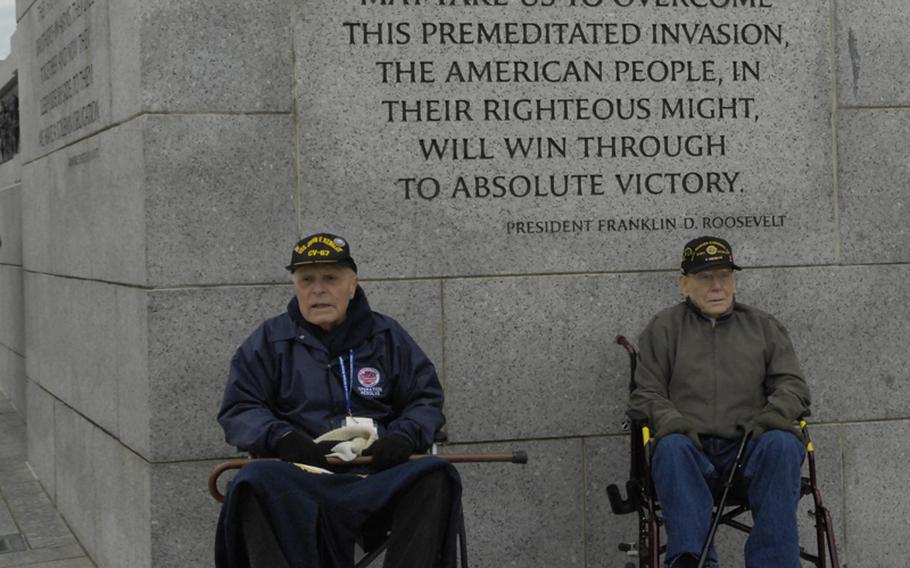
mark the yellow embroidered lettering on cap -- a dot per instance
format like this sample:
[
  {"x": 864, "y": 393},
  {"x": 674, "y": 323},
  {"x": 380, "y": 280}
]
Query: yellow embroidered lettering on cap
[
  {"x": 318, "y": 253},
  {"x": 322, "y": 248}
]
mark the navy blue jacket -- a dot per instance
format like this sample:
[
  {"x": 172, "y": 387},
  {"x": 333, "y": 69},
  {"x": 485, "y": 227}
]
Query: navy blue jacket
[{"x": 282, "y": 378}]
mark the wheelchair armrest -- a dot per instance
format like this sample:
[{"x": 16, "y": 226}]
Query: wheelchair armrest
[
  {"x": 637, "y": 422},
  {"x": 637, "y": 417}
]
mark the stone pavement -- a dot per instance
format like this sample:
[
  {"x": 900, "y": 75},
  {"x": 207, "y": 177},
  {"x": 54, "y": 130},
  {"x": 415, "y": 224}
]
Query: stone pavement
[{"x": 32, "y": 533}]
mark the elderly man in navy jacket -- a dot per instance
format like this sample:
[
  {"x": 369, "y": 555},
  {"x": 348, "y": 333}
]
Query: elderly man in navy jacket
[{"x": 327, "y": 363}]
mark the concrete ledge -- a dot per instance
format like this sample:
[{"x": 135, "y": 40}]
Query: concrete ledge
[
  {"x": 209, "y": 56},
  {"x": 12, "y": 309},
  {"x": 103, "y": 491},
  {"x": 872, "y": 50},
  {"x": 12, "y": 379},
  {"x": 526, "y": 515},
  {"x": 212, "y": 185},
  {"x": 873, "y": 174},
  {"x": 105, "y": 376},
  {"x": 42, "y": 446},
  {"x": 872, "y": 464},
  {"x": 521, "y": 351},
  {"x": 10, "y": 173},
  {"x": 184, "y": 515},
  {"x": 10, "y": 225},
  {"x": 83, "y": 213}
]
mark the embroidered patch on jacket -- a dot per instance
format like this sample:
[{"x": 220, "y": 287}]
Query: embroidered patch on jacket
[{"x": 369, "y": 379}]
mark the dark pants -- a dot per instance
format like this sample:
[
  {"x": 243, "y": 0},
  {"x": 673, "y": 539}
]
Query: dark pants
[
  {"x": 261, "y": 545},
  {"x": 418, "y": 519}
]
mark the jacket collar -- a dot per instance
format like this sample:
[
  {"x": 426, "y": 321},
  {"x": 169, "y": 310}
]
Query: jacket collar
[
  {"x": 697, "y": 311},
  {"x": 287, "y": 328}
]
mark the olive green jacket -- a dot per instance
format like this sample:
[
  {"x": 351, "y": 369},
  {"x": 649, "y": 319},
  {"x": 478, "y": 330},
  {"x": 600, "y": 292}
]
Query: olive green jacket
[{"x": 716, "y": 373}]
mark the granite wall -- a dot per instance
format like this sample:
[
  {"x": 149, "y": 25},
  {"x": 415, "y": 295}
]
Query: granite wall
[
  {"x": 516, "y": 177},
  {"x": 12, "y": 314}
]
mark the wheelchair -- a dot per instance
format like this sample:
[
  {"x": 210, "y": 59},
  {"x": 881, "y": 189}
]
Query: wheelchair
[
  {"x": 642, "y": 500},
  {"x": 373, "y": 544}
]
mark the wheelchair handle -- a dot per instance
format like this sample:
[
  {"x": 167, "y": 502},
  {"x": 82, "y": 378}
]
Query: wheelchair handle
[
  {"x": 622, "y": 506},
  {"x": 633, "y": 358},
  {"x": 519, "y": 457},
  {"x": 626, "y": 344}
]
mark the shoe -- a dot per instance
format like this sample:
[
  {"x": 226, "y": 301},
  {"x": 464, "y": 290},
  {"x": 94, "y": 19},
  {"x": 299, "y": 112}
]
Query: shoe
[{"x": 685, "y": 561}]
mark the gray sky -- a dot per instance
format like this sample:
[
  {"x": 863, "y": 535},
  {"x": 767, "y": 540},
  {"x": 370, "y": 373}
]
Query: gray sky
[{"x": 7, "y": 25}]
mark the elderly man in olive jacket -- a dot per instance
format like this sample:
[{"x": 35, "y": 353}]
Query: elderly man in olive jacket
[{"x": 708, "y": 366}]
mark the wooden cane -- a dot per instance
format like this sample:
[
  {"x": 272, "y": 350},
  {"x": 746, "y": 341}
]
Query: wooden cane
[{"x": 510, "y": 457}]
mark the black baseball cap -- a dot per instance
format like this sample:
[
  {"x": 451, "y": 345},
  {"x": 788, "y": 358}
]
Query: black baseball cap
[
  {"x": 707, "y": 252},
  {"x": 321, "y": 248}
]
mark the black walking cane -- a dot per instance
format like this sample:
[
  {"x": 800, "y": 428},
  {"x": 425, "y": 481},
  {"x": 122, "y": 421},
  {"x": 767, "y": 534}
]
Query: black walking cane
[{"x": 728, "y": 484}]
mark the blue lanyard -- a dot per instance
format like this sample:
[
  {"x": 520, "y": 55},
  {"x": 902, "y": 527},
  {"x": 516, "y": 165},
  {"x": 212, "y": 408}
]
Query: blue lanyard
[{"x": 347, "y": 380}]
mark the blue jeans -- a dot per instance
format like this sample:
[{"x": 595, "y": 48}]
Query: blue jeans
[{"x": 681, "y": 473}]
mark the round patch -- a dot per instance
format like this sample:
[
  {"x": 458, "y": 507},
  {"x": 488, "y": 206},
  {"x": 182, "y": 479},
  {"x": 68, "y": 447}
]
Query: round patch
[
  {"x": 368, "y": 377},
  {"x": 711, "y": 249}
]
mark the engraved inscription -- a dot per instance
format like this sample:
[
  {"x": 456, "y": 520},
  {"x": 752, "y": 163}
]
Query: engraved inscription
[
  {"x": 66, "y": 72},
  {"x": 599, "y": 102}
]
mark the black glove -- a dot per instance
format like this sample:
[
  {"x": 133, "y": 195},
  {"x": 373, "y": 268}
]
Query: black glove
[
  {"x": 297, "y": 447},
  {"x": 770, "y": 420},
  {"x": 390, "y": 450},
  {"x": 680, "y": 425}
]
